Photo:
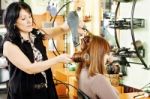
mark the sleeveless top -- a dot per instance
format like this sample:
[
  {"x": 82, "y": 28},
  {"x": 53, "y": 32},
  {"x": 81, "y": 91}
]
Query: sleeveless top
[{"x": 21, "y": 83}]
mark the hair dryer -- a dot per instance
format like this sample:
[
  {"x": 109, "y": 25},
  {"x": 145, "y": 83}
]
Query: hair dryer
[{"x": 73, "y": 22}]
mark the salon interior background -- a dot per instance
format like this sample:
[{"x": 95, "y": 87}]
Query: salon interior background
[{"x": 137, "y": 76}]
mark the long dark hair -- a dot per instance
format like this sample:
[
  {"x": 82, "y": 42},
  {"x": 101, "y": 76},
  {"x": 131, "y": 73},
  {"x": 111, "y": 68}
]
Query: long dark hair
[{"x": 10, "y": 17}]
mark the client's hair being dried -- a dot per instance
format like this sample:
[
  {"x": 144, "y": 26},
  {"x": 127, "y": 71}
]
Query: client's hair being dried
[{"x": 93, "y": 50}]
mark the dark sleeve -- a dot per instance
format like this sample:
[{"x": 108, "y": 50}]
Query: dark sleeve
[{"x": 103, "y": 89}]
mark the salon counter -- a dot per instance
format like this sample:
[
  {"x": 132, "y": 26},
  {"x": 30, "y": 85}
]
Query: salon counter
[{"x": 134, "y": 95}]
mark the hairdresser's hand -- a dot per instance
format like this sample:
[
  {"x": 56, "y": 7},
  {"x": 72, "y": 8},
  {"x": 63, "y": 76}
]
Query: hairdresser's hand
[
  {"x": 81, "y": 32},
  {"x": 81, "y": 24},
  {"x": 65, "y": 58}
]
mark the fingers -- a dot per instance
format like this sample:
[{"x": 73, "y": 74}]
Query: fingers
[
  {"x": 81, "y": 32},
  {"x": 65, "y": 58},
  {"x": 81, "y": 24},
  {"x": 68, "y": 59}
]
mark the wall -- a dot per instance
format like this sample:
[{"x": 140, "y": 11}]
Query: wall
[
  {"x": 93, "y": 8},
  {"x": 5, "y": 3},
  {"x": 38, "y": 7},
  {"x": 137, "y": 76}
]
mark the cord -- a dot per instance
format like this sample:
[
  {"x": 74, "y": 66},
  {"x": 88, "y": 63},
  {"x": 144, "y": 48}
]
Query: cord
[
  {"x": 52, "y": 41},
  {"x": 116, "y": 38},
  {"x": 67, "y": 84},
  {"x": 53, "y": 26},
  {"x": 143, "y": 94}
]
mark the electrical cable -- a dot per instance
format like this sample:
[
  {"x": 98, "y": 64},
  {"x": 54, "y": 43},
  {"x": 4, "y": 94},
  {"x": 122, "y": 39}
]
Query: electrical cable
[
  {"x": 59, "y": 11},
  {"x": 125, "y": 62},
  {"x": 143, "y": 94},
  {"x": 83, "y": 95},
  {"x": 55, "y": 48},
  {"x": 53, "y": 26},
  {"x": 145, "y": 86},
  {"x": 115, "y": 29},
  {"x": 66, "y": 84},
  {"x": 133, "y": 38}
]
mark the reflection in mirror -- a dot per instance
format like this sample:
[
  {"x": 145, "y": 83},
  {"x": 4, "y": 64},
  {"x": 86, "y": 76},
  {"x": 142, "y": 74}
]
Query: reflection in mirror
[{"x": 108, "y": 14}]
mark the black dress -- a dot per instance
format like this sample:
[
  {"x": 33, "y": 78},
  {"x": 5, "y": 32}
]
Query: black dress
[{"x": 22, "y": 85}]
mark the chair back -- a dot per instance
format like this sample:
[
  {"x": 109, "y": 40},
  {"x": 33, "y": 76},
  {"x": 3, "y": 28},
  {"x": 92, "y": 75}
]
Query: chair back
[{"x": 82, "y": 95}]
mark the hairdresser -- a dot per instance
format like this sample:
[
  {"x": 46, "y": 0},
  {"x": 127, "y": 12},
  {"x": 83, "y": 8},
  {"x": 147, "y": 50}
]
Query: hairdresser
[{"x": 29, "y": 66}]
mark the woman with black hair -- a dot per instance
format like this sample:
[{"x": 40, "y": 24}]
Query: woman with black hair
[{"x": 30, "y": 73}]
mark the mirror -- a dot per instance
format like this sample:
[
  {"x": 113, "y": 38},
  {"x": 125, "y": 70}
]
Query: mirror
[{"x": 108, "y": 14}]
